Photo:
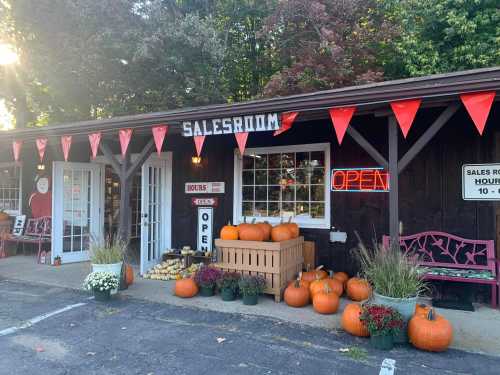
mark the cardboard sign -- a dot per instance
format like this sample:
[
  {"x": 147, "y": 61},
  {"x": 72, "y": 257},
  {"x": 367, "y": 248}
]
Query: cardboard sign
[
  {"x": 360, "y": 180},
  {"x": 206, "y": 202},
  {"x": 205, "y": 226},
  {"x": 481, "y": 182},
  {"x": 205, "y": 187}
]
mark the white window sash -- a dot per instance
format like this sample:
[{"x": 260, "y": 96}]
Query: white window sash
[{"x": 20, "y": 187}]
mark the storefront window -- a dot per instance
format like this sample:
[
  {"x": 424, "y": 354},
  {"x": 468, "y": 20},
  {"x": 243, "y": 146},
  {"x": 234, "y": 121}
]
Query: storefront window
[
  {"x": 10, "y": 188},
  {"x": 288, "y": 181}
]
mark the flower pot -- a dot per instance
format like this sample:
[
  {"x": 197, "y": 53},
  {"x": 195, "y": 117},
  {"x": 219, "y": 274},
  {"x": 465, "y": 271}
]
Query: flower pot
[
  {"x": 250, "y": 299},
  {"x": 382, "y": 342},
  {"x": 114, "y": 268},
  {"x": 228, "y": 294},
  {"x": 102, "y": 295},
  {"x": 206, "y": 291},
  {"x": 405, "y": 306}
]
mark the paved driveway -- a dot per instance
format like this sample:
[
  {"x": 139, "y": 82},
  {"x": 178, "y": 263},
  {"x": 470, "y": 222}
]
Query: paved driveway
[{"x": 130, "y": 336}]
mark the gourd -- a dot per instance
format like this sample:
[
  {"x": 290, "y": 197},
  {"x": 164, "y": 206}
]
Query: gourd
[
  {"x": 358, "y": 289},
  {"x": 326, "y": 301},
  {"x": 266, "y": 228},
  {"x": 280, "y": 233},
  {"x": 318, "y": 272},
  {"x": 296, "y": 295},
  {"x": 129, "y": 274},
  {"x": 292, "y": 227},
  {"x": 430, "y": 332},
  {"x": 185, "y": 288},
  {"x": 351, "y": 323},
  {"x": 229, "y": 232},
  {"x": 318, "y": 285}
]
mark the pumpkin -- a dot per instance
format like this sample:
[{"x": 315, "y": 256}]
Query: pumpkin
[
  {"x": 185, "y": 288},
  {"x": 421, "y": 308},
  {"x": 293, "y": 227},
  {"x": 129, "y": 274},
  {"x": 4, "y": 216},
  {"x": 280, "y": 233},
  {"x": 318, "y": 285},
  {"x": 326, "y": 301},
  {"x": 351, "y": 323},
  {"x": 296, "y": 295},
  {"x": 266, "y": 228},
  {"x": 311, "y": 276},
  {"x": 229, "y": 232},
  {"x": 250, "y": 232},
  {"x": 341, "y": 276},
  {"x": 302, "y": 282},
  {"x": 358, "y": 289},
  {"x": 430, "y": 332}
]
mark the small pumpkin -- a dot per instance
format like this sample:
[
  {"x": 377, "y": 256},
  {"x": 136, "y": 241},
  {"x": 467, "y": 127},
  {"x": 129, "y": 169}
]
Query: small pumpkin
[
  {"x": 319, "y": 285},
  {"x": 129, "y": 274},
  {"x": 430, "y": 332},
  {"x": 4, "y": 216},
  {"x": 421, "y": 308},
  {"x": 341, "y": 276},
  {"x": 185, "y": 288},
  {"x": 351, "y": 323},
  {"x": 358, "y": 289},
  {"x": 293, "y": 227},
  {"x": 296, "y": 295},
  {"x": 280, "y": 233},
  {"x": 229, "y": 232},
  {"x": 302, "y": 282},
  {"x": 266, "y": 228},
  {"x": 313, "y": 275},
  {"x": 326, "y": 301}
]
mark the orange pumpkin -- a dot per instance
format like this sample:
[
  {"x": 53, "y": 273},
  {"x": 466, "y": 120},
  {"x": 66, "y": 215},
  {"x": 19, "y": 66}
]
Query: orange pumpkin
[
  {"x": 358, "y": 289},
  {"x": 4, "y": 216},
  {"x": 266, "y": 228},
  {"x": 430, "y": 332},
  {"x": 302, "y": 282},
  {"x": 421, "y": 308},
  {"x": 229, "y": 232},
  {"x": 280, "y": 233},
  {"x": 129, "y": 274},
  {"x": 185, "y": 288},
  {"x": 341, "y": 276},
  {"x": 250, "y": 232},
  {"x": 319, "y": 285},
  {"x": 293, "y": 227},
  {"x": 351, "y": 323},
  {"x": 296, "y": 295},
  {"x": 326, "y": 301},
  {"x": 313, "y": 275}
]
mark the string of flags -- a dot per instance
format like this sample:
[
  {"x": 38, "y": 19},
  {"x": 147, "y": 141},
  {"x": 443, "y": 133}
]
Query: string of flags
[{"x": 478, "y": 106}]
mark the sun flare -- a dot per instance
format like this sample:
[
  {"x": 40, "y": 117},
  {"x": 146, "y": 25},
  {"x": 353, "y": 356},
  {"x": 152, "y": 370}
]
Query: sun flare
[
  {"x": 6, "y": 117},
  {"x": 8, "y": 55}
]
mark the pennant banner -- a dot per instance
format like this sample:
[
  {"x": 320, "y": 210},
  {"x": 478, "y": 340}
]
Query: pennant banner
[
  {"x": 66, "y": 145},
  {"x": 287, "y": 120},
  {"x": 41, "y": 145},
  {"x": 340, "y": 119},
  {"x": 16, "y": 149},
  {"x": 241, "y": 138},
  {"x": 125, "y": 136},
  {"x": 478, "y": 106},
  {"x": 405, "y": 111},
  {"x": 94, "y": 139},
  {"x": 159, "y": 133},
  {"x": 198, "y": 142}
]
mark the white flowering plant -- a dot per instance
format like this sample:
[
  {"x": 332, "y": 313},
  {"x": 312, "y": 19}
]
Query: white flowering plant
[{"x": 101, "y": 281}]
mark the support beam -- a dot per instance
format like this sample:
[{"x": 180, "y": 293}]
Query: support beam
[
  {"x": 427, "y": 136},
  {"x": 367, "y": 146},
  {"x": 110, "y": 157},
  {"x": 143, "y": 156},
  {"x": 125, "y": 212},
  {"x": 394, "y": 180}
]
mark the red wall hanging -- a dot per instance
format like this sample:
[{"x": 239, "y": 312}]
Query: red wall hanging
[
  {"x": 41, "y": 145},
  {"x": 125, "y": 136},
  {"x": 478, "y": 105},
  {"x": 405, "y": 111},
  {"x": 287, "y": 120},
  {"x": 241, "y": 139},
  {"x": 16, "y": 149},
  {"x": 340, "y": 119},
  {"x": 159, "y": 133},
  {"x": 66, "y": 145},
  {"x": 94, "y": 139},
  {"x": 198, "y": 142}
]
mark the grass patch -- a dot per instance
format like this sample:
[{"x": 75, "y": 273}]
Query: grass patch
[{"x": 356, "y": 353}]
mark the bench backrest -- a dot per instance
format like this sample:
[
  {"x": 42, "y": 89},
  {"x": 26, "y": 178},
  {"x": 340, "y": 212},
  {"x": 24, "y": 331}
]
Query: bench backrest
[
  {"x": 439, "y": 249},
  {"x": 39, "y": 227}
]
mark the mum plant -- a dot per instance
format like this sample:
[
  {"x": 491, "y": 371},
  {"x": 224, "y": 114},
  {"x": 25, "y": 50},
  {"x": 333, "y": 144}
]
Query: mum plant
[
  {"x": 381, "y": 320},
  {"x": 101, "y": 282},
  {"x": 229, "y": 281},
  {"x": 252, "y": 285},
  {"x": 207, "y": 276}
]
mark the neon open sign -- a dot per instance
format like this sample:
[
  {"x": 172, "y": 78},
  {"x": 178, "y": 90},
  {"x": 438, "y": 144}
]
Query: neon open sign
[{"x": 360, "y": 180}]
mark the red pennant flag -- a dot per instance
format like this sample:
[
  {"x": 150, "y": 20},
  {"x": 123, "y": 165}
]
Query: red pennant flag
[
  {"x": 41, "y": 145},
  {"x": 125, "y": 135},
  {"x": 241, "y": 138},
  {"x": 405, "y": 111},
  {"x": 159, "y": 133},
  {"x": 287, "y": 120},
  {"x": 340, "y": 119},
  {"x": 66, "y": 145},
  {"x": 94, "y": 139},
  {"x": 198, "y": 142},
  {"x": 478, "y": 105},
  {"x": 16, "y": 149}
]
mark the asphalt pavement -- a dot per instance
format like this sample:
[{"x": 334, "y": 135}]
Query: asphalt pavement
[{"x": 50, "y": 330}]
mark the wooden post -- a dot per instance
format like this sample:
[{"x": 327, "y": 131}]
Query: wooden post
[
  {"x": 394, "y": 180},
  {"x": 125, "y": 212}
]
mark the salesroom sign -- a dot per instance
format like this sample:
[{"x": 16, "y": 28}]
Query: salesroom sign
[
  {"x": 481, "y": 182},
  {"x": 205, "y": 188},
  {"x": 360, "y": 180},
  {"x": 231, "y": 125}
]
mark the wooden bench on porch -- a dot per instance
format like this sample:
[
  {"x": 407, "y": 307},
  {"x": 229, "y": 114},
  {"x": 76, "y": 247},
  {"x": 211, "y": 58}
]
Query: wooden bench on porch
[
  {"x": 447, "y": 257},
  {"x": 38, "y": 231}
]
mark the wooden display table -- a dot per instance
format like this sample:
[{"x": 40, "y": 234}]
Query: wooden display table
[{"x": 278, "y": 262}]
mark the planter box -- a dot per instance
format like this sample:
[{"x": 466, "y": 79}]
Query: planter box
[{"x": 278, "y": 262}]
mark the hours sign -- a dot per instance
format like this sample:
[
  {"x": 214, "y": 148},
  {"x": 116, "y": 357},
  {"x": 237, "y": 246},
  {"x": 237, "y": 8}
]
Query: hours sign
[{"x": 481, "y": 182}]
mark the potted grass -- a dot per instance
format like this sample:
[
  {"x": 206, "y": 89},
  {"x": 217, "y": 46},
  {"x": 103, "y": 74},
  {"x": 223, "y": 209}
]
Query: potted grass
[
  {"x": 107, "y": 256},
  {"x": 101, "y": 284},
  {"x": 395, "y": 279},
  {"x": 228, "y": 285},
  {"x": 383, "y": 323},
  {"x": 251, "y": 287},
  {"x": 206, "y": 279}
]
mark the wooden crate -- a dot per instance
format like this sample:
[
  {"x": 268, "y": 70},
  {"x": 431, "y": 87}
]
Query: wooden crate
[
  {"x": 278, "y": 262},
  {"x": 309, "y": 255}
]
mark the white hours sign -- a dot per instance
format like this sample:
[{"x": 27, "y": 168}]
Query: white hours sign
[{"x": 481, "y": 182}]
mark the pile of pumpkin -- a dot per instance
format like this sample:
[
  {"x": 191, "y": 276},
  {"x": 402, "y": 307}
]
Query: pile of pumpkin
[
  {"x": 262, "y": 231},
  {"x": 324, "y": 291}
]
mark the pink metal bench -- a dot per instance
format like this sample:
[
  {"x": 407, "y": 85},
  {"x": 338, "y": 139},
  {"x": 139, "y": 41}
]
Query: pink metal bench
[{"x": 452, "y": 258}]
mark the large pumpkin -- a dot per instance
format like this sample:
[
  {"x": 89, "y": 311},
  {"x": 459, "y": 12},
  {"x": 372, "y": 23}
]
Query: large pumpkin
[
  {"x": 319, "y": 285},
  {"x": 341, "y": 276},
  {"x": 315, "y": 274},
  {"x": 251, "y": 232},
  {"x": 351, "y": 323},
  {"x": 326, "y": 301},
  {"x": 266, "y": 228},
  {"x": 358, "y": 289},
  {"x": 129, "y": 274},
  {"x": 229, "y": 232},
  {"x": 430, "y": 332},
  {"x": 280, "y": 233},
  {"x": 185, "y": 288},
  {"x": 293, "y": 227},
  {"x": 296, "y": 295}
]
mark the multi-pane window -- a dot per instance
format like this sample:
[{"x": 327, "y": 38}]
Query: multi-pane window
[
  {"x": 285, "y": 182},
  {"x": 10, "y": 188}
]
